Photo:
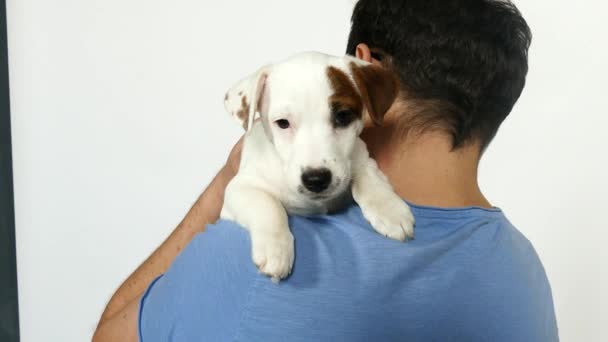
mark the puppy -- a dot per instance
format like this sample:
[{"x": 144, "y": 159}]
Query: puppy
[{"x": 303, "y": 154}]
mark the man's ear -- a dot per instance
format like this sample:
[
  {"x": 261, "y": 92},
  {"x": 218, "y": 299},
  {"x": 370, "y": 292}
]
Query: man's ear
[
  {"x": 245, "y": 98},
  {"x": 378, "y": 88},
  {"x": 363, "y": 52}
]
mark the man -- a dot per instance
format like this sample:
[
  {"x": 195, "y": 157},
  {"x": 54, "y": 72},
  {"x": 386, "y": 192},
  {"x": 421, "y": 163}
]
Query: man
[{"x": 468, "y": 276}]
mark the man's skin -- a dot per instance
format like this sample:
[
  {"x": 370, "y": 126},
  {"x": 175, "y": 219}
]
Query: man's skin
[{"x": 421, "y": 166}]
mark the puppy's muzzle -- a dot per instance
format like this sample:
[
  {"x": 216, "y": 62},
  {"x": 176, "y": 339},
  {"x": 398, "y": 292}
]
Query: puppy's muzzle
[{"x": 316, "y": 180}]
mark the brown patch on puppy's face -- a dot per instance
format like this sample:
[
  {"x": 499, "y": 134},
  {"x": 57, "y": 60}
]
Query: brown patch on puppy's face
[
  {"x": 345, "y": 103},
  {"x": 378, "y": 87}
]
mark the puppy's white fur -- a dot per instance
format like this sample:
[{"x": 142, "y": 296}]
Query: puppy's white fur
[{"x": 268, "y": 184}]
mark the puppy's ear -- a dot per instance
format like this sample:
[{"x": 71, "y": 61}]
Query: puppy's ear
[
  {"x": 245, "y": 98},
  {"x": 378, "y": 88}
]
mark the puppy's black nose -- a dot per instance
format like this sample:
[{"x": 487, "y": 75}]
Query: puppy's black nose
[{"x": 316, "y": 180}]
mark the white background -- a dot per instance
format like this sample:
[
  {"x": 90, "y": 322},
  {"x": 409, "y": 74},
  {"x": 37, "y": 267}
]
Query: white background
[{"x": 118, "y": 125}]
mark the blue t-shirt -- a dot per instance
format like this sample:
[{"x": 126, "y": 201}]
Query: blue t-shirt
[{"x": 468, "y": 276}]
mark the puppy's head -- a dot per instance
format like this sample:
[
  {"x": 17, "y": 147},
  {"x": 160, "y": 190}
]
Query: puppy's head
[{"x": 312, "y": 108}]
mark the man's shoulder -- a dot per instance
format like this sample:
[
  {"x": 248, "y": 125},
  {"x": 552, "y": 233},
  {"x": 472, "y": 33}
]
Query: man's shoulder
[
  {"x": 453, "y": 237},
  {"x": 466, "y": 232},
  {"x": 472, "y": 264},
  {"x": 203, "y": 292}
]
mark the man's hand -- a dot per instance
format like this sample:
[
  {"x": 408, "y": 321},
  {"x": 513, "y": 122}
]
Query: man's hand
[{"x": 123, "y": 305}]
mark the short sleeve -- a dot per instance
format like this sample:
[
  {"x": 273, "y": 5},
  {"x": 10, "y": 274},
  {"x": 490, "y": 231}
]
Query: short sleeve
[{"x": 213, "y": 273}]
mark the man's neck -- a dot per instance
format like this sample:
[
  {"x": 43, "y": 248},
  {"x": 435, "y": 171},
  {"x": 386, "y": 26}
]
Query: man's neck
[{"x": 424, "y": 170}]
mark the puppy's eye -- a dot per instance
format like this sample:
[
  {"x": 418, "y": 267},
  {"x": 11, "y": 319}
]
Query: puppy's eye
[
  {"x": 343, "y": 117},
  {"x": 282, "y": 123}
]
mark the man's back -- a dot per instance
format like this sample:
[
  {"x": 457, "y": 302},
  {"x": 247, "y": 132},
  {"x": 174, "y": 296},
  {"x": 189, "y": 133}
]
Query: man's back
[{"x": 468, "y": 276}]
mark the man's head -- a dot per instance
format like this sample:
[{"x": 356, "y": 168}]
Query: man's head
[{"x": 462, "y": 63}]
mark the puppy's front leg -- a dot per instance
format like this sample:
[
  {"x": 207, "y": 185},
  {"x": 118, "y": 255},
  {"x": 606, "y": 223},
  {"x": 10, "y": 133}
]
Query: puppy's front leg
[
  {"x": 381, "y": 206},
  {"x": 263, "y": 215}
]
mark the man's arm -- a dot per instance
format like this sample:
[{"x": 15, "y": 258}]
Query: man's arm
[
  {"x": 204, "y": 211},
  {"x": 121, "y": 327}
]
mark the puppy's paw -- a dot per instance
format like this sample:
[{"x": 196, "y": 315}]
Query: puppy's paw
[
  {"x": 390, "y": 216},
  {"x": 273, "y": 253}
]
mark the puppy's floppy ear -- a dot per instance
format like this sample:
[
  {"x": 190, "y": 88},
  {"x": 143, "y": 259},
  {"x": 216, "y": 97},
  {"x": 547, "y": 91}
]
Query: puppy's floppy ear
[
  {"x": 378, "y": 88},
  {"x": 245, "y": 98}
]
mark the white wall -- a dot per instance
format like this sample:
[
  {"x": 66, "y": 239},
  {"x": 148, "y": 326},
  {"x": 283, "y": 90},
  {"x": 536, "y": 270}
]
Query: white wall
[{"x": 118, "y": 125}]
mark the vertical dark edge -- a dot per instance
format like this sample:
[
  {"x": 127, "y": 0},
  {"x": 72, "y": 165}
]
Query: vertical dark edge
[{"x": 9, "y": 307}]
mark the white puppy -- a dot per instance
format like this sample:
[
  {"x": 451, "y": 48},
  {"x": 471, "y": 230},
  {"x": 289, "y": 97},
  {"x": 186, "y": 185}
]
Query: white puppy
[{"x": 303, "y": 155}]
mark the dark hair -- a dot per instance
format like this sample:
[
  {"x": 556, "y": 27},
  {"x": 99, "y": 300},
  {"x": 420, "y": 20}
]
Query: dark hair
[{"x": 463, "y": 61}]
